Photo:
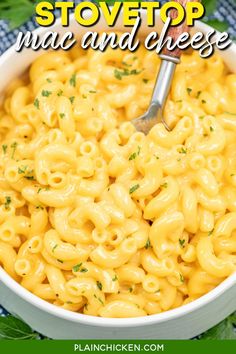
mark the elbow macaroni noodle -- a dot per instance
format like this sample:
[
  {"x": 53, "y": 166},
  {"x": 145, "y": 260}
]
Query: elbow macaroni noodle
[{"x": 100, "y": 219}]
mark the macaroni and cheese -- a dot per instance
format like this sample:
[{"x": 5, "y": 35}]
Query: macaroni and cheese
[{"x": 100, "y": 219}]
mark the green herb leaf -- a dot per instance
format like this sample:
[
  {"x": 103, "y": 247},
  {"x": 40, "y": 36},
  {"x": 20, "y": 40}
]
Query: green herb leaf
[
  {"x": 7, "y": 202},
  {"x": 148, "y": 244},
  {"x": 83, "y": 270},
  {"x": 134, "y": 188},
  {"x": 99, "y": 285},
  {"x": 59, "y": 93},
  {"x": 220, "y": 26},
  {"x": 72, "y": 98},
  {"x": 73, "y": 80},
  {"x": 181, "y": 243},
  {"x": 46, "y": 93},
  {"x": 125, "y": 72},
  {"x": 77, "y": 267},
  {"x": 224, "y": 330},
  {"x": 182, "y": 150},
  {"x": 13, "y": 146},
  {"x": 14, "y": 328},
  {"x": 4, "y": 149},
  {"x": 135, "y": 154},
  {"x": 62, "y": 115},
  {"x": 181, "y": 277},
  {"x": 210, "y": 6},
  {"x": 36, "y": 103},
  {"x": 16, "y": 12},
  {"x": 22, "y": 169},
  {"x": 53, "y": 249}
]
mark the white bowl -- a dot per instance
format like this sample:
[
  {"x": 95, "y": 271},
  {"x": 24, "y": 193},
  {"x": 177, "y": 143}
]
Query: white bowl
[{"x": 181, "y": 323}]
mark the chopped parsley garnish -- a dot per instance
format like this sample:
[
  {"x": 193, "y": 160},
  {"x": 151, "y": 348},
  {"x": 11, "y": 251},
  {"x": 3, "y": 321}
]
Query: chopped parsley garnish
[
  {"x": 198, "y": 94},
  {"x": 13, "y": 146},
  {"x": 73, "y": 80},
  {"x": 84, "y": 96},
  {"x": 182, "y": 150},
  {"x": 134, "y": 188},
  {"x": 72, "y": 98},
  {"x": 60, "y": 261},
  {"x": 99, "y": 285},
  {"x": 201, "y": 117},
  {"x": 4, "y": 149},
  {"x": 46, "y": 93},
  {"x": 148, "y": 244},
  {"x": 59, "y": 93},
  {"x": 130, "y": 289},
  {"x": 36, "y": 103},
  {"x": 232, "y": 175},
  {"x": 83, "y": 270},
  {"x": 92, "y": 91},
  {"x": 28, "y": 174},
  {"x": 210, "y": 232},
  {"x": 40, "y": 189},
  {"x": 145, "y": 81},
  {"x": 115, "y": 278},
  {"x": 99, "y": 299},
  {"x": 22, "y": 169},
  {"x": 181, "y": 243},
  {"x": 125, "y": 64},
  {"x": 62, "y": 115},
  {"x": 125, "y": 72},
  {"x": 53, "y": 249},
  {"x": 164, "y": 185},
  {"x": 30, "y": 178},
  {"x": 181, "y": 277},
  {"x": 7, "y": 202},
  {"x": 189, "y": 90},
  {"x": 203, "y": 101},
  {"x": 49, "y": 80},
  {"x": 39, "y": 207},
  {"x": 211, "y": 129},
  {"x": 135, "y": 154},
  {"x": 77, "y": 267}
]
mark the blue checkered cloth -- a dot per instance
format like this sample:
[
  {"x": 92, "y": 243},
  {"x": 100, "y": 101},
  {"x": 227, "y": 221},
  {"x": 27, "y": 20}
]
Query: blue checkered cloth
[{"x": 226, "y": 11}]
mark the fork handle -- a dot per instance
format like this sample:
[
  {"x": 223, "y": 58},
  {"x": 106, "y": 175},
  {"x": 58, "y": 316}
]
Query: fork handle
[{"x": 175, "y": 32}]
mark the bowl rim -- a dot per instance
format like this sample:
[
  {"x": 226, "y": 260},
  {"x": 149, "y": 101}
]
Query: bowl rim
[{"x": 76, "y": 317}]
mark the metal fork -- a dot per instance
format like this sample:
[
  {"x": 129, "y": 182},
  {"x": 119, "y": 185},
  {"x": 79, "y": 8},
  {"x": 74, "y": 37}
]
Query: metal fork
[{"x": 170, "y": 59}]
